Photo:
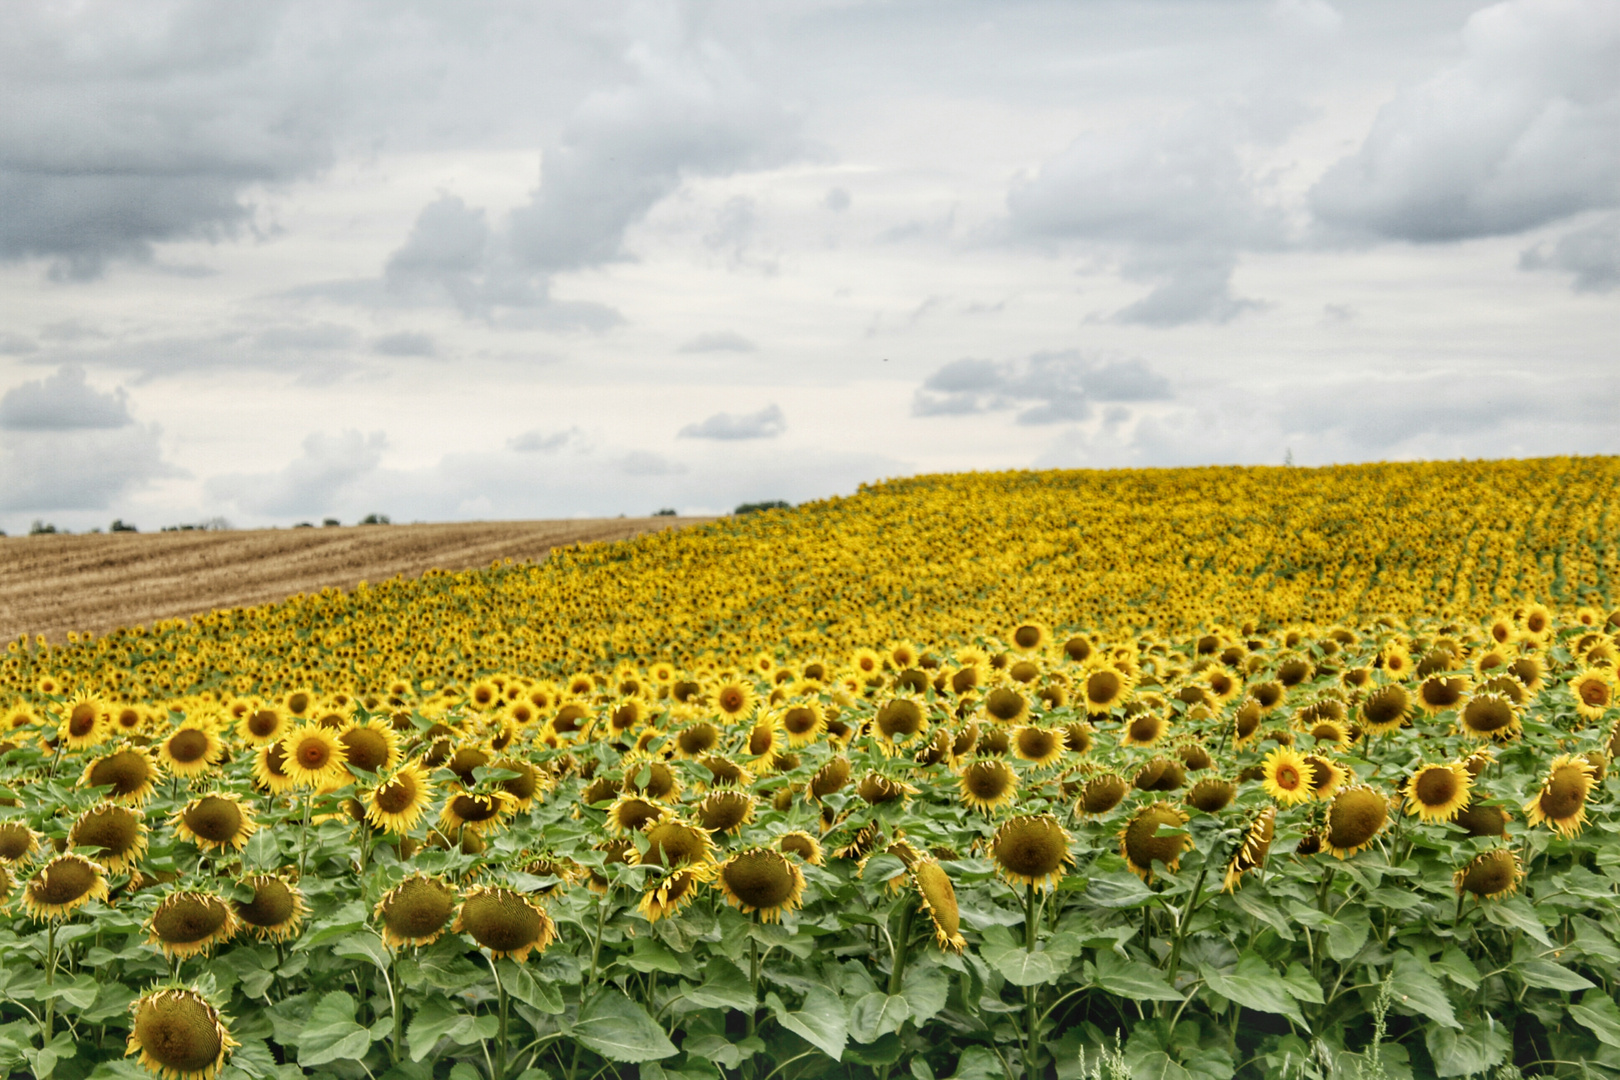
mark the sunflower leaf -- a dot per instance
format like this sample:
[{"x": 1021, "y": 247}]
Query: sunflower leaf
[
  {"x": 331, "y": 1032},
  {"x": 925, "y": 990},
  {"x": 1547, "y": 975},
  {"x": 521, "y": 983},
  {"x": 1418, "y": 991},
  {"x": 1254, "y": 985},
  {"x": 1515, "y": 913},
  {"x": 1021, "y": 967},
  {"x": 1598, "y": 1013},
  {"x": 820, "y": 1021},
  {"x": 620, "y": 1030},
  {"x": 1132, "y": 979},
  {"x": 1483, "y": 1045},
  {"x": 876, "y": 1015},
  {"x": 365, "y": 945},
  {"x": 724, "y": 987}
]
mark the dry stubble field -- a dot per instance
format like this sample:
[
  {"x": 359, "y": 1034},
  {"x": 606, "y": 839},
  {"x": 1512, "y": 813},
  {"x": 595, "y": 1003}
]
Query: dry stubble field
[{"x": 52, "y": 584}]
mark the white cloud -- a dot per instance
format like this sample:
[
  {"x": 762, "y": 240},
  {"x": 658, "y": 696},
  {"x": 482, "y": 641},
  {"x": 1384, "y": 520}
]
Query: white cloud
[
  {"x": 318, "y": 481},
  {"x": 62, "y": 402},
  {"x": 767, "y": 423},
  {"x": 537, "y": 441},
  {"x": 717, "y": 341},
  {"x": 1591, "y": 253},
  {"x": 406, "y": 343},
  {"x": 1046, "y": 388},
  {"x": 1523, "y": 131}
]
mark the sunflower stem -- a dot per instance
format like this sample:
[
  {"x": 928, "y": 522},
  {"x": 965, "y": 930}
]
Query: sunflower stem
[
  {"x": 1183, "y": 920},
  {"x": 50, "y": 979},
  {"x": 303, "y": 835},
  {"x": 902, "y": 944},
  {"x": 393, "y": 1005},
  {"x": 1031, "y": 934},
  {"x": 500, "y": 1036}
]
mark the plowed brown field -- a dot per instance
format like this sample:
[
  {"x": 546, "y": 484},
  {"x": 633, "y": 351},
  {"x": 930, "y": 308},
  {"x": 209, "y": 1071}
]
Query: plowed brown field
[{"x": 52, "y": 584}]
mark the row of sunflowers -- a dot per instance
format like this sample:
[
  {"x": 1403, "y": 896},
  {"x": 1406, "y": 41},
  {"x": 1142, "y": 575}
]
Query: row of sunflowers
[{"x": 1379, "y": 846}]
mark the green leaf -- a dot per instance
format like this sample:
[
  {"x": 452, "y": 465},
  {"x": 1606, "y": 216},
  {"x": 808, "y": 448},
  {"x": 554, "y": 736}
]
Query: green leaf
[
  {"x": 876, "y": 1015},
  {"x": 1302, "y": 984},
  {"x": 1418, "y": 991},
  {"x": 925, "y": 990},
  {"x": 1157, "y": 1065},
  {"x": 331, "y": 1033},
  {"x": 1347, "y": 934},
  {"x": 715, "y": 1048},
  {"x": 978, "y": 1063},
  {"x": 1133, "y": 979},
  {"x": 820, "y": 1021},
  {"x": 436, "y": 1020},
  {"x": 1550, "y": 976},
  {"x": 521, "y": 983},
  {"x": 1254, "y": 985},
  {"x": 1021, "y": 967},
  {"x": 263, "y": 851},
  {"x": 1598, "y": 1012},
  {"x": 1515, "y": 913},
  {"x": 724, "y": 987},
  {"x": 1119, "y": 889},
  {"x": 1251, "y": 903},
  {"x": 620, "y": 1030},
  {"x": 365, "y": 945},
  {"x": 650, "y": 954},
  {"x": 1463, "y": 1053}
]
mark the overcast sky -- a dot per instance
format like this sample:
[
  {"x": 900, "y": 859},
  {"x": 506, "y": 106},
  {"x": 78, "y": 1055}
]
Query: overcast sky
[{"x": 278, "y": 261}]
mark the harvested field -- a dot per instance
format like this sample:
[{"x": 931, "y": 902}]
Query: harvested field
[{"x": 52, "y": 584}]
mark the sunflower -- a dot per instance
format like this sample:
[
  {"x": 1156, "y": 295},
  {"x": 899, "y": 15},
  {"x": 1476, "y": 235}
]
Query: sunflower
[
  {"x": 1251, "y": 853},
  {"x": 215, "y": 822},
  {"x": 830, "y": 778},
  {"x": 987, "y": 783},
  {"x": 1594, "y": 692},
  {"x": 1490, "y": 875},
  {"x": 1160, "y": 774},
  {"x": 1042, "y": 747},
  {"x": 803, "y": 723},
  {"x": 1105, "y": 688},
  {"x": 1006, "y": 705},
  {"x": 505, "y": 922},
  {"x": 632, "y": 813},
  {"x": 1489, "y": 716},
  {"x": 1439, "y": 693},
  {"x": 674, "y": 842},
  {"x": 372, "y": 746},
  {"x": 760, "y": 879},
  {"x": 899, "y": 722},
  {"x": 1330, "y": 732},
  {"x": 1326, "y": 775},
  {"x": 673, "y": 891},
  {"x": 1031, "y": 850},
  {"x": 734, "y": 699},
  {"x": 765, "y": 738},
  {"x": 1354, "y": 818},
  {"x": 1483, "y": 819},
  {"x": 189, "y": 923},
  {"x": 937, "y": 896},
  {"x": 129, "y": 773},
  {"x": 190, "y": 749},
  {"x": 1561, "y": 803},
  {"x": 1154, "y": 834},
  {"x": 1289, "y": 778},
  {"x": 86, "y": 722},
  {"x": 178, "y": 1034},
  {"x": 415, "y": 911},
  {"x": 1143, "y": 729},
  {"x": 117, "y": 833},
  {"x": 62, "y": 885},
  {"x": 475, "y": 811},
  {"x": 270, "y": 769},
  {"x": 276, "y": 911},
  {"x": 876, "y": 788},
  {"x": 18, "y": 843},
  {"x": 1030, "y": 636},
  {"x": 651, "y": 779},
  {"x": 261, "y": 722},
  {"x": 725, "y": 810},
  {"x": 800, "y": 843},
  {"x": 1385, "y": 709},
  {"x": 314, "y": 757},
  {"x": 1437, "y": 792}
]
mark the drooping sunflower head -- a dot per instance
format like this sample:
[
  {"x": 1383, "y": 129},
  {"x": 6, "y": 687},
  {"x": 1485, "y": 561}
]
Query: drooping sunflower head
[
  {"x": 1289, "y": 778},
  {"x": 1160, "y": 774},
  {"x": 63, "y": 885},
  {"x": 763, "y": 880},
  {"x": 1143, "y": 729},
  {"x": 190, "y": 923},
  {"x": 725, "y": 810},
  {"x": 276, "y": 910},
  {"x": 129, "y": 773},
  {"x": 117, "y": 834},
  {"x": 1354, "y": 819},
  {"x": 673, "y": 842},
  {"x": 262, "y": 722},
  {"x": 1031, "y": 850},
  {"x": 830, "y": 778},
  {"x": 696, "y": 739},
  {"x": 1006, "y": 705},
  {"x": 18, "y": 843},
  {"x": 1104, "y": 689},
  {"x": 1154, "y": 834},
  {"x": 899, "y": 722},
  {"x": 476, "y": 811},
  {"x": 651, "y": 779},
  {"x": 1561, "y": 803},
  {"x": 1489, "y": 716},
  {"x": 1437, "y": 792},
  {"x": 1246, "y": 722},
  {"x": 1252, "y": 852},
  {"x": 1483, "y": 819},
  {"x": 987, "y": 783},
  {"x": 215, "y": 822},
  {"x": 415, "y": 911},
  {"x": 505, "y": 922},
  {"x": 1490, "y": 875},
  {"x": 800, "y": 843},
  {"x": 372, "y": 746},
  {"x": 803, "y": 723},
  {"x": 190, "y": 749},
  {"x": 1102, "y": 793},
  {"x": 178, "y": 1034},
  {"x": 673, "y": 891},
  {"x": 937, "y": 896},
  {"x": 1211, "y": 794},
  {"x": 876, "y": 788},
  {"x": 1042, "y": 747}
]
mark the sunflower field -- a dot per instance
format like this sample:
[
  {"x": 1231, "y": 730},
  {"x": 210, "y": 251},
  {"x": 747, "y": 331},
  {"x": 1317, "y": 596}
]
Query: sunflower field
[{"x": 1202, "y": 773}]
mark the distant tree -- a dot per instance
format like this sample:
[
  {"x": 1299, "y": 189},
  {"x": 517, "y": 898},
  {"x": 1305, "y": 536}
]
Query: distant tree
[
  {"x": 756, "y": 507},
  {"x": 328, "y": 523},
  {"x": 40, "y": 528},
  {"x": 216, "y": 524},
  {"x": 303, "y": 525},
  {"x": 665, "y": 512},
  {"x": 375, "y": 519},
  {"x": 120, "y": 525}
]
